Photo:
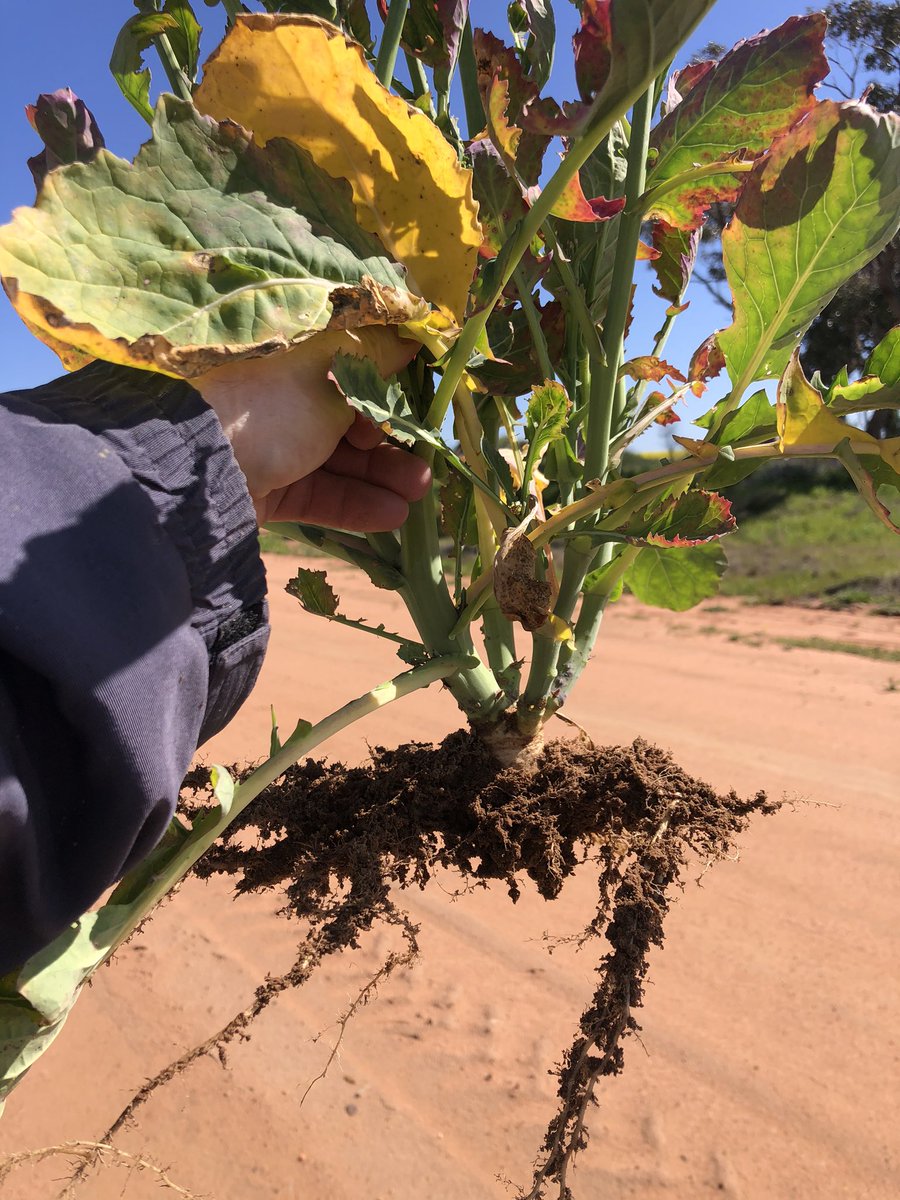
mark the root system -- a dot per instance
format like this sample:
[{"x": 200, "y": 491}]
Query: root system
[{"x": 341, "y": 844}]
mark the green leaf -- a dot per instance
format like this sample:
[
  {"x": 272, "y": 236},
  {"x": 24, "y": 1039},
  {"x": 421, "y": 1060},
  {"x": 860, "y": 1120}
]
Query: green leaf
[
  {"x": 676, "y": 579},
  {"x": 535, "y": 17},
  {"x": 879, "y": 386},
  {"x": 184, "y": 36},
  {"x": 884, "y": 360},
  {"x": 314, "y": 592},
  {"x": 814, "y": 211},
  {"x": 545, "y": 423},
  {"x": 758, "y": 89},
  {"x": 208, "y": 248},
  {"x": 751, "y": 424},
  {"x": 317, "y": 596},
  {"x": 383, "y": 402},
  {"x": 127, "y": 61},
  {"x": 609, "y": 580},
  {"x": 622, "y": 46}
]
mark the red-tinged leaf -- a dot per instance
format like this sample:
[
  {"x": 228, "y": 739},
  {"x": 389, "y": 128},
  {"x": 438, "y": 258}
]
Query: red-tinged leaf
[
  {"x": 676, "y": 254},
  {"x": 514, "y": 369},
  {"x": 499, "y": 197},
  {"x": 593, "y": 47},
  {"x": 646, "y": 253},
  {"x": 690, "y": 519},
  {"x": 547, "y": 117},
  {"x": 667, "y": 417},
  {"x": 707, "y": 361},
  {"x": 573, "y": 205},
  {"x": 758, "y": 90},
  {"x": 649, "y": 367},
  {"x": 821, "y": 204},
  {"x": 495, "y": 61},
  {"x": 680, "y": 82}
]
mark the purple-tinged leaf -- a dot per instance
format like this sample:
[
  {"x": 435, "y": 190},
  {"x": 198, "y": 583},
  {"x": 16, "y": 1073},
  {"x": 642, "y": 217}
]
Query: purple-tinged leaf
[
  {"x": 432, "y": 30},
  {"x": 680, "y": 83},
  {"x": 676, "y": 254},
  {"x": 67, "y": 128},
  {"x": 755, "y": 92},
  {"x": 496, "y": 61}
]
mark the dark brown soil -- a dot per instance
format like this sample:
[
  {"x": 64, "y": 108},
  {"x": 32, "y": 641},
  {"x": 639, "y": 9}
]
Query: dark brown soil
[{"x": 340, "y": 843}]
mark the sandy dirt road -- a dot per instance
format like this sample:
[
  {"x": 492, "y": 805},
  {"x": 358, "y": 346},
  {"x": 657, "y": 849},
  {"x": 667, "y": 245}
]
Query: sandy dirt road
[{"x": 768, "y": 1068}]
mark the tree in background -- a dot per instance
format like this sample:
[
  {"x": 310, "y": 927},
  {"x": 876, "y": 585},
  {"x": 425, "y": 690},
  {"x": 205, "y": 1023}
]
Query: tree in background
[{"x": 864, "y": 38}]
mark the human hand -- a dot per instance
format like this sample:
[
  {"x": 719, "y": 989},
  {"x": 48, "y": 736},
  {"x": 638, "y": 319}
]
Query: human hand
[{"x": 305, "y": 454}]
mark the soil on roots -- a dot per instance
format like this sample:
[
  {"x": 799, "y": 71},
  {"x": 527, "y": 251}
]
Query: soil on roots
[{"x": 340, "y": 844}]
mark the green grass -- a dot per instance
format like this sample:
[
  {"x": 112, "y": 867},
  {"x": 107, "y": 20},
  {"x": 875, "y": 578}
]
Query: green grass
[
  {"x": 823, "y": 545},
  {"x": 880, "y": 653}
]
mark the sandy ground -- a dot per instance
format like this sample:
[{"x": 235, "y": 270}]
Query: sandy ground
[{"x": 768, "y": 1068}]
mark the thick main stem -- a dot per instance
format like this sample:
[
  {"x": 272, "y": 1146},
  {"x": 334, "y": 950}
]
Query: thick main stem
[{"x": 433, "y": 611}]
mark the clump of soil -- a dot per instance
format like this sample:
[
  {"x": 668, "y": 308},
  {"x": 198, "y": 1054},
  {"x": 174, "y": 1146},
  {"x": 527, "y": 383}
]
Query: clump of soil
[{"x": 340, "y": 843}]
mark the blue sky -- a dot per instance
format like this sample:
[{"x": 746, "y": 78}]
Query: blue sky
[{"x": 56, "y": 43}]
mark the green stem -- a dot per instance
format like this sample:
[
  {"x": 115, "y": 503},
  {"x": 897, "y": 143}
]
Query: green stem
[
  {"x": 233, "y": 8},
  {"x": 533, "y": 321},
  {"x": 386, "y": 546},
  {"x": 577, "y": 304},
  {"x": 579, "y": 556},
  {"x": 508, "y": 260},
  {"x": 468, "y": 78},
  {"x": 390, "y": 42},
  {"x": 499, "y": 638},
  {"x": 180, "y": 84},
  {"x": 432, "y": 608},
  {"x": 587, "y": 629},
  {"x": 418, "y": 79},
  {"x": 604, "y": 398},
  {"x": 305, "y": 740}
]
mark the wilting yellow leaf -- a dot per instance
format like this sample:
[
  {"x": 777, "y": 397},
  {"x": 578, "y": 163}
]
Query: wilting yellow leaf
[
  {"x": 697, "y": 449},
  {"x": 803, "y": 419},
  {"x": 71, "y": 359},
  {"x": 298, "y": 77}
]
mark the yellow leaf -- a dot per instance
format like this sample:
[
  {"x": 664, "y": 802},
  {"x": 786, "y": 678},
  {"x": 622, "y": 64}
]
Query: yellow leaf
[
  {"x": 803, "y": 419},
  {"x": 298, "y": 77},
  {"x": 504, "y": 135},
  {"x": 696, "y": 448},
  {"x": 71, "y": 359}
]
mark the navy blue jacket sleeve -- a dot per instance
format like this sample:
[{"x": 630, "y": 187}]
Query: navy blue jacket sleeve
[{"x": 132, "y": 626}]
